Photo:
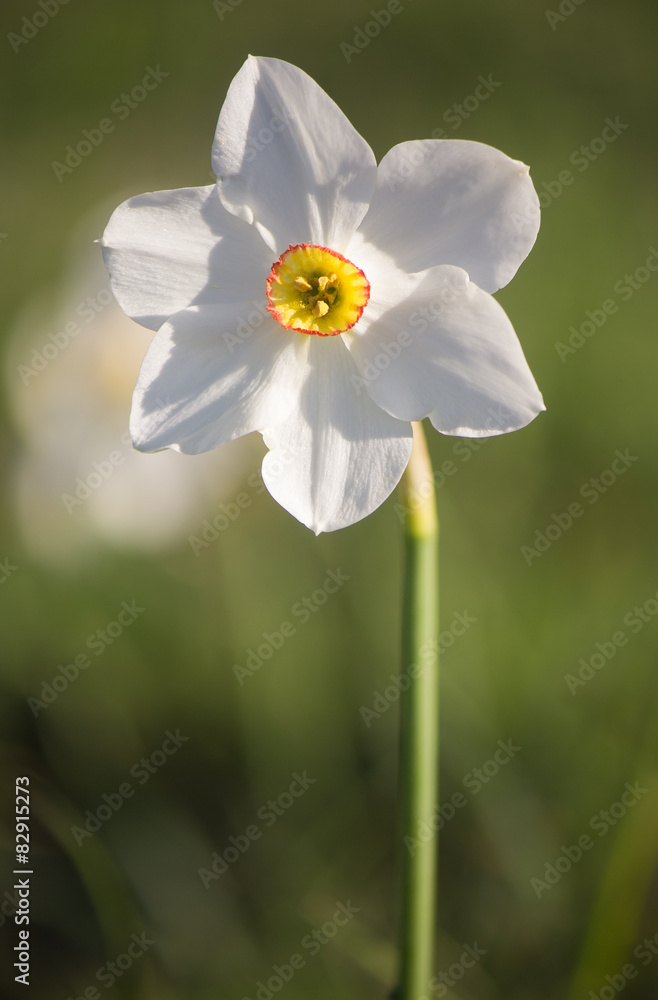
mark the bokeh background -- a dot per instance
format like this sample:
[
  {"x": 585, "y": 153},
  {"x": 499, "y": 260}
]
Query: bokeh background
[{"x": 538, "y": 664}]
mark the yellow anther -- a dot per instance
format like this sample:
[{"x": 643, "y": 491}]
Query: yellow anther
[
  {"x": 320, "y": 308},
  {"x": 302, "y": 284}
]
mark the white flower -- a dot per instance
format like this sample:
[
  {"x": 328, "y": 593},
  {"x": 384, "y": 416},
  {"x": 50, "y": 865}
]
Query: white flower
[{"x": 323, "y": 300}]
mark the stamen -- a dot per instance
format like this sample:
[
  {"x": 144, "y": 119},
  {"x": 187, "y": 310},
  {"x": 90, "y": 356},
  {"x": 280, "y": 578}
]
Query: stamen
[
  {"x": 320, "y": 308},
  {"x": 302, "y": 284}
]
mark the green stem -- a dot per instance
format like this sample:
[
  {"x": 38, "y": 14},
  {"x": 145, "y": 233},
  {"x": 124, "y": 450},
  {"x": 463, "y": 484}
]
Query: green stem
[{"x": 419, "y": 725}]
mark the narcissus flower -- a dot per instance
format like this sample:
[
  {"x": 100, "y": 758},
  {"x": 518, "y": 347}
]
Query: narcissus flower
[{"x": 324, "y": 300}]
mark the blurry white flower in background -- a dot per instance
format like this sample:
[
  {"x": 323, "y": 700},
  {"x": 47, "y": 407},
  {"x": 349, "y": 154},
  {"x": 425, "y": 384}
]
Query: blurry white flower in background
[{"x": 77, "y": 481}]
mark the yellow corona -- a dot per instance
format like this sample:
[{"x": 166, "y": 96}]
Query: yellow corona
[{"x": 314, "y": 290}]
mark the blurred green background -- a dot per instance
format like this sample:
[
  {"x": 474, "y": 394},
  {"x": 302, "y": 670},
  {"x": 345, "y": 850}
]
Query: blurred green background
[{"x": 552, "y": 924}]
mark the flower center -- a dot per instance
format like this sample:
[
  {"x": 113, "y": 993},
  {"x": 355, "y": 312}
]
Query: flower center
[{"x": 314, "y": 290}]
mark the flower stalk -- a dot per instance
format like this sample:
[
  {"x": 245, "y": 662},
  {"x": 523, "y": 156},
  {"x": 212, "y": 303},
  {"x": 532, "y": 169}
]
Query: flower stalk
[{"x": 419, "y": 724}]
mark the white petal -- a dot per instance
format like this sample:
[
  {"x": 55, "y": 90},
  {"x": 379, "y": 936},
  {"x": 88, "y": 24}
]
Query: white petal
[
  {"x": 448, "y": 351},
  {"x": 167, "y": 250},
  {"x": 213, "y": 374},
  {"x": 337, "y": 456},
  {"x": 450, "y": 201},
  {"x": 288, "y": 160}
]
